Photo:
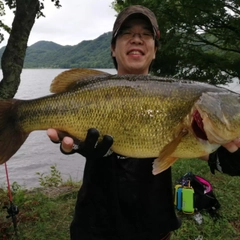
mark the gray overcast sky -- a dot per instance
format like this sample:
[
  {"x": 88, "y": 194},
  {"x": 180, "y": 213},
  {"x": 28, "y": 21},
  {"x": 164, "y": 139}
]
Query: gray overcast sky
[{"x": 75, "y": 21}]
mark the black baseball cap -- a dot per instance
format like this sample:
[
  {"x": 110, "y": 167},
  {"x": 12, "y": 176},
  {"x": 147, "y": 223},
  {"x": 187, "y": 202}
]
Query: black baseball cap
[{"x": 136, "y": 9}]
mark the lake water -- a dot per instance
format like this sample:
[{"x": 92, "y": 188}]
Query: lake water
[
  {"x": 234, "y": 86},
  {"x": 38, "y": 153}
]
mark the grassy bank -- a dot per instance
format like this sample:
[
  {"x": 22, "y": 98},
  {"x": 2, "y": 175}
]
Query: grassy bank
[{"x": 46, "y": 213}]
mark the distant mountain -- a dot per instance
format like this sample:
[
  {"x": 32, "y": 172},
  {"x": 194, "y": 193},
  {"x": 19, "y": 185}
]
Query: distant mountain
[{"x": 90, "y": 54}]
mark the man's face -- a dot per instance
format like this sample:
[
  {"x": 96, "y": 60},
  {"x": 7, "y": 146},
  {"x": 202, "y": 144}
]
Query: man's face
[{"x": 135, "y": 47}]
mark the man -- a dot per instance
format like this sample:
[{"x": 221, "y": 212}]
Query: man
[{"x": 120, "y": 198}]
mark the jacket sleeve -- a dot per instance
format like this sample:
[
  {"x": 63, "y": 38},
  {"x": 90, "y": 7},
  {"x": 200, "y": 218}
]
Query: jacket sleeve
[{"x": 224, "y": 161}]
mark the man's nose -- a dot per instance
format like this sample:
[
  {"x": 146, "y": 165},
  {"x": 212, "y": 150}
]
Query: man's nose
[{"x": 136, "y": 37}]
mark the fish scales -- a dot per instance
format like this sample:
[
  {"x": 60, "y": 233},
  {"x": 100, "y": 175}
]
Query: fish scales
[{"x": 144, "y": 114}]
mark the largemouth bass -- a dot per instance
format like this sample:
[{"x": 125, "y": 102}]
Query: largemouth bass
[{"x": 148, "y": 117}]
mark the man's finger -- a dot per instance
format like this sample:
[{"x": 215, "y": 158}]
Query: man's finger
[
  {"x": 231, "y": 147},
  {"x": 53, "y": 135},
  {"x": 237, "y": 142},
  {"x": 91, "y": 138},
  {"x": 67, "y": 144}
]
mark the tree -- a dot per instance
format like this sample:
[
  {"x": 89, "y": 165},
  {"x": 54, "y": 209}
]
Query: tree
[
  {"x": 2, "y": 25},
  {"x": 26, "y": 11},
  {"x": 200, "y": 39}
]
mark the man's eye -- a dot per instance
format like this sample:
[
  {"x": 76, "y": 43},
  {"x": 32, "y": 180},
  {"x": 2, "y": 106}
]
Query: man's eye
[
  {"x": 147, "y": 34},
  {"x": 127, "y": 33}
]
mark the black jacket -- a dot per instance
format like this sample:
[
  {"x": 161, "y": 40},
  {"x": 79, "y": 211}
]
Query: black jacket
[{"x": 120, "y": 199}]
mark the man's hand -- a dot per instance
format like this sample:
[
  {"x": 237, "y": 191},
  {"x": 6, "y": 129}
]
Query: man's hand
[
  {"x": 233, "y": 146},
  {"x": 89, "y": 148}
]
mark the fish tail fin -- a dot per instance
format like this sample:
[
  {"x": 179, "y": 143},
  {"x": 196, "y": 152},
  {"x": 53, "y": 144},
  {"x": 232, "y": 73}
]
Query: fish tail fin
[{"x": 11, "y": 135}]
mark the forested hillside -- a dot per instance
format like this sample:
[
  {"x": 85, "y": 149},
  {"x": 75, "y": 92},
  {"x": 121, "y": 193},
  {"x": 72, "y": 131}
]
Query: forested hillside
[{"x": 90, "y": 54}]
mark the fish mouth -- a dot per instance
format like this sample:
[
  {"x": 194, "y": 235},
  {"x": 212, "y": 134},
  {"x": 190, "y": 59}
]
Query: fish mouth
[{"x": 197, "y": 126}]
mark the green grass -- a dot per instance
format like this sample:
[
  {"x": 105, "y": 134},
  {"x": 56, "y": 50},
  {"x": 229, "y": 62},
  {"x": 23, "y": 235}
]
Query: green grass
[
  {"x": 40, "y": 216},
  {"x": 47, "y": 215}
]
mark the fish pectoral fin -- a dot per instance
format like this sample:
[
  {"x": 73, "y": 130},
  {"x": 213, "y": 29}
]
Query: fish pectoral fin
[
  {"x": 171, "y": 147},
  {"x": 161, "y": 165},
  {"x": 165, "y": 160},
  {"x": 68, "y": 79}
]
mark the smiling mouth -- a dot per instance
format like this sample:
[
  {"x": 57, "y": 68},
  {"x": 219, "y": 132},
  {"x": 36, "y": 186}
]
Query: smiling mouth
[{"x": 135, "y": 52}]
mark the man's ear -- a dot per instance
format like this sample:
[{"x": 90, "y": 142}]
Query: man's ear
[
  {"x": 113, "y": 50},
  {"x": 154, "y": 56}
]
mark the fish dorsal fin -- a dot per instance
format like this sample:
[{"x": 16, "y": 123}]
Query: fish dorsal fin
[
  {"x": 165, "y": 160},
  {"x": 68, "y": 79}
]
